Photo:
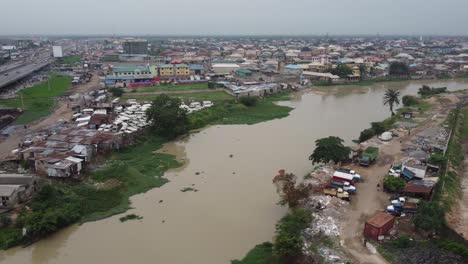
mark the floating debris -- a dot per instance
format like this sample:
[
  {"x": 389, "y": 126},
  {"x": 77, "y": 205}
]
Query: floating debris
[{"x": 130, "y": 217}]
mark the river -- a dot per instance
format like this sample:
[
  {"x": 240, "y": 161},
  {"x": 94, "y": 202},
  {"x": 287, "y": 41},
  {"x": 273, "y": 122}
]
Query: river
[{"x": 232, "y": 168}]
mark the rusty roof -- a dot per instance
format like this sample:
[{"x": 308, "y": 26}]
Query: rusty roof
[
  {"x": 380, "y": 219},
  {"x": 419, "y": 186}
]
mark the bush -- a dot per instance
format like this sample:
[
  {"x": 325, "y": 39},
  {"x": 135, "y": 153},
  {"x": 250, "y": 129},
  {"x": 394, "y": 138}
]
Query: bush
[
  {"x": 116, "y": 92},
  {"x": 438, "y": 159},
  {"x": 402, "y": 241},
  {"x": 426, "y": 91},
  {"x": 366, "y": 134},
  {"x": 378, "y": 127},
  {"x": 248, "y": 101},
  {"x": 288, "y": 242},
  {"x": 409, "y": 100},
  {"x": 394, "y": 184}
]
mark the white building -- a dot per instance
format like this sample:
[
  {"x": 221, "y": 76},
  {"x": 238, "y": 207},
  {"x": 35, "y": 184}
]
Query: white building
[
  {"x": 224, "y": 68},
  {"x": 57, "y": 51}
]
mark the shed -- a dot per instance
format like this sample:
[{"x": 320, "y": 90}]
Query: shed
[
  {"x": 378, "y": 225},
  {"x": 420, "y": 189}
]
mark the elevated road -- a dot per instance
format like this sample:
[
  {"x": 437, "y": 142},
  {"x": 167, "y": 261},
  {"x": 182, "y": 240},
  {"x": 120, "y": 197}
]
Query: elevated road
[{"x": 17, "y": 73}]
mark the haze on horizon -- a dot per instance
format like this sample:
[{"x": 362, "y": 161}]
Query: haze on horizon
[{"x": 240, "y": 17}]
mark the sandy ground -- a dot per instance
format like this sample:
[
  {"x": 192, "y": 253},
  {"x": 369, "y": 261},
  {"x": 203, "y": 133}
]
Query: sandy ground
[
  {"x": 61, "y": 112},
  {"x": 369, "y": 198},
  {"x": 458, "y": 217}
]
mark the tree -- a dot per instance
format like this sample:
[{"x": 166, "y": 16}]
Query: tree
[
  {"x": 394, "y": 184},
  {"x": 341, "y": 70},
  {"x": 248, "y": 100},
  {"x": 390, "y": 98},
  {"x": 166, "y": 117},
  {"x": 290, "y": 194},
  {"x": 430, "y": 216},
  {"x": 398, "y": 69},
  {"x": 329, "y": 149},
  {"x": 409, "y": 100},
  {"x": 116, "y": 92}
]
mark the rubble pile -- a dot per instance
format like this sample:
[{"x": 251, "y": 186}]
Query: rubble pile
[{"x": 327, "y": 213}]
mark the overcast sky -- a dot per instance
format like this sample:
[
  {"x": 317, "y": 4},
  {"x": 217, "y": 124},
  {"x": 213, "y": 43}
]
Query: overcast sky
[{"x": 222, "y": 17}]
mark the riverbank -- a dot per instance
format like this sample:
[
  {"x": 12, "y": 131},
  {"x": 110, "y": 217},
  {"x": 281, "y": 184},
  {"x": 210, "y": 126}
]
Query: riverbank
[
  {"x": 386, "y": 80},
  {"x": 369, "y": 199},
  {"x": 107, "y": 190}
]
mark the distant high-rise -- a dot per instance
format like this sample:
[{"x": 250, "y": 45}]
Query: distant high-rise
[
  {"x": 135, "y": 46},
  {"x": 57, "y": 51}
]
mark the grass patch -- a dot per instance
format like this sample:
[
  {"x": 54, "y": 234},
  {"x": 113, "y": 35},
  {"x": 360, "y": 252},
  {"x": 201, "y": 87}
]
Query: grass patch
[
  {"x": 235, "y": 113},
  {"x": 260, "y": 254},
  {"x": 70, "y": 60},
  {"x": 178, "y": 87},
  {"x": 39, "y": 99},
  {"x": 130, "y": 217},
  {"x": 139, "y": 169},
  {"x": 186, "y": 97}
]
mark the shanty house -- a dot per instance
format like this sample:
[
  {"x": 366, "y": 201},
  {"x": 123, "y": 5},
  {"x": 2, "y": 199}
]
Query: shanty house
[{"x": 16, "y": 188}]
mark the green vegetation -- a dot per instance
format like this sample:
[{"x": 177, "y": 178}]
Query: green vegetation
[
  {"x": 394, "y": 184},
  {"x": 454, "y": 247},
  {"x": 186, "y": 97},
  {"x": 426, "y": 91},
  {"x": 248, "y": 101},
  {"x": 130, "y": 217},
  {"x": 377, "y": 128},
  {"x": 260, "y": 254},
  {"x": 38, "y": 100},
  {"x": 409, "y": 100},
  {"x": 230, "y": 113},
  {"x": 430, "y": 216},
  {"x": 391, "y": 97},
  {"x": 175, "y": 87},
  {"x": 138, "y": 169},
  {"x": 116, "y": 92},
  {"x": 288, "y": 242},
  {"x": 167, "y": 118},
  {"x": 329, "y": 149},
  {"x": 9, "y": 237},
  {"x": 70, "y": 60},
  {"x": 341, "y": 70}
]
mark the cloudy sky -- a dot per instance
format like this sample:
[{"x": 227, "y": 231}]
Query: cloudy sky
[{"x": 222, "y": 17}]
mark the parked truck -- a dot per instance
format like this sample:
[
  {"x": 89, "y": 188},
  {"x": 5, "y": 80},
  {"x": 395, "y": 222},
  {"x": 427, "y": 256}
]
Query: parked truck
[
  {"x": 356, "y": 176},
  {"x": 368, "y": 156},
  {"x": 343, "y": 185},
  {"x": 339, "y": 193},
  {"x": 346, "y": 177}
]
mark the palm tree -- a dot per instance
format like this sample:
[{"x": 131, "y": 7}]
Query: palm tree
[{"x": 390, "y": 98}]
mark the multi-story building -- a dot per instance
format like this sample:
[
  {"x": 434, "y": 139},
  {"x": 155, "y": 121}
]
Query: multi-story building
[
  {"x": 179, "y": 71},
  {"x": 135, "y": 46}
]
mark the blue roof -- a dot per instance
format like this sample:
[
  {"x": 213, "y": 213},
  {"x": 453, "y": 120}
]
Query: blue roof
[
  {"x": 292, "y": 67},
  {"x": 195, "y": 67}
]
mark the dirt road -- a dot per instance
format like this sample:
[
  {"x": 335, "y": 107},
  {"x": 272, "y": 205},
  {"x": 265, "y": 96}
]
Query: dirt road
[
  {"x": 61, "y": 112},
  {"x": 369, "y": 198}
]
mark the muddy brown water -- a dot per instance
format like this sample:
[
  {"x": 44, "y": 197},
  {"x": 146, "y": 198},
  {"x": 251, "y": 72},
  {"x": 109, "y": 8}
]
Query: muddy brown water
[{"x": 235, "y": 205}]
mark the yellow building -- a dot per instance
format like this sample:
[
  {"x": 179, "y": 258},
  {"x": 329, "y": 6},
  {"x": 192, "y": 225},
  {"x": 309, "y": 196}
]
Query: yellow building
[{"x": 174, "y": 71}]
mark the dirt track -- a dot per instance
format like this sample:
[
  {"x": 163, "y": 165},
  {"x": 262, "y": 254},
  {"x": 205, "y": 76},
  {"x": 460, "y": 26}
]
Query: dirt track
[{"x": 369, "y": 199}]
